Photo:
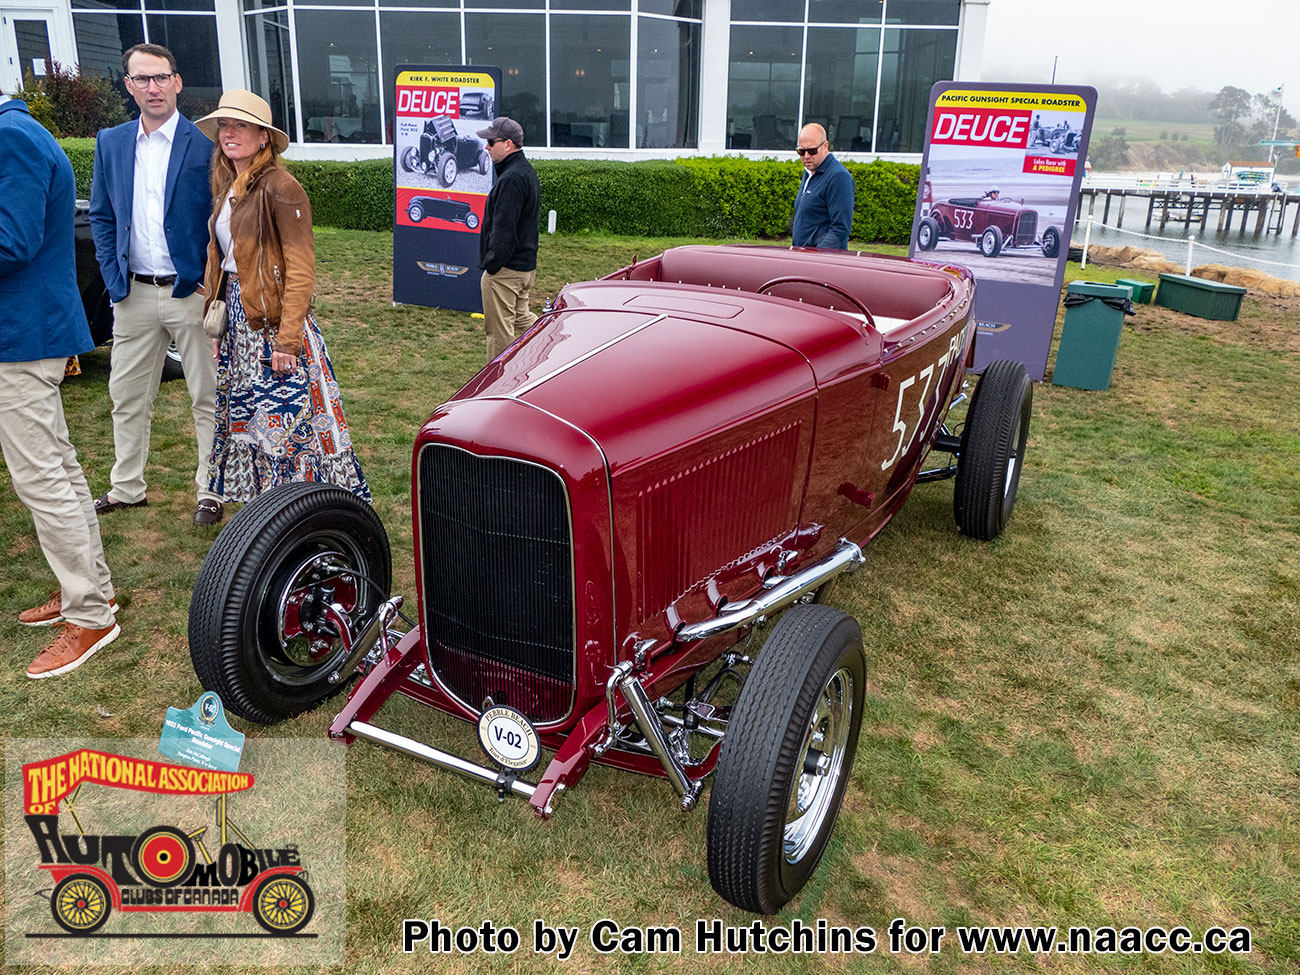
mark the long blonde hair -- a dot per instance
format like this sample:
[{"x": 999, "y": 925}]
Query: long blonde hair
[{"x": 223, "y": 178}]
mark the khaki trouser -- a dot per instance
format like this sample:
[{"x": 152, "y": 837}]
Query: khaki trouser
[
  {"x": 47, "y": 478},
  {"x": 505, "y": 307},
  {"x": 144, "y": 322}
]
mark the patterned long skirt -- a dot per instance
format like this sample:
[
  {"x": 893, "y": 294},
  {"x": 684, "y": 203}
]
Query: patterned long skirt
[{"x": 277, "y": 429}]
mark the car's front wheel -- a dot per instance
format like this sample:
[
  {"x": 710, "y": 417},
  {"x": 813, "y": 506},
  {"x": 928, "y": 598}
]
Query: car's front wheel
[
  {"x": 259, "y": 635},
  {"x": 410, "y": 159},
  {"x": 471, "y": 220},
  {"x": 1051, "y": 242},
  {"x": 786, "y": 759},
  {"x": 415, "y": 212},
  {"x": 484, "y": 161},
  {"x": 927, "y": 234},
  {"x": 993, "y": 450},
  {"x": 991, "y": 242},
  {"x": 447, "y": 169}
]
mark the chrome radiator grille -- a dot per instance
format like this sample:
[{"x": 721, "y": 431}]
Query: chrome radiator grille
[
  {"x": 1026, "y": 229},
  {"x": 496, "y": 554}
]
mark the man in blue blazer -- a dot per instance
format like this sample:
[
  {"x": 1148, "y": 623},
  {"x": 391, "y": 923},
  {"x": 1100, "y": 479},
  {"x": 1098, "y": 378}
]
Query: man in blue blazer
[
  {"x": 149, "y": 207},
  {"x": 41, "y": 324}
]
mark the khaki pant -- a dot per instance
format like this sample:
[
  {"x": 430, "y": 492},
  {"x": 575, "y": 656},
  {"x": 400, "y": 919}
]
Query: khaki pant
[
  {"x": 47, "y": 478},
  {"x": 144, "y": 323},
  {"x": 505, "y": 307}
]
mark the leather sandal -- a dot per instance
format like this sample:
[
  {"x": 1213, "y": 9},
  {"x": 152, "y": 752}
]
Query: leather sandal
[
  {"x": 104, "y": 504},
  {"x": 208, "y": 512}
]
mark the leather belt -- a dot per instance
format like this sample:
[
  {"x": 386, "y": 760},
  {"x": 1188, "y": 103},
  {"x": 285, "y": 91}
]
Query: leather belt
[{"x": 157, "y": 282}]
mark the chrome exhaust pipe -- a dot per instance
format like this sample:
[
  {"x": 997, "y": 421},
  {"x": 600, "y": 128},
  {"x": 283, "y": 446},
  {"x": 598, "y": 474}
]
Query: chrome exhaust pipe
[{"x": 846, "y": 558}]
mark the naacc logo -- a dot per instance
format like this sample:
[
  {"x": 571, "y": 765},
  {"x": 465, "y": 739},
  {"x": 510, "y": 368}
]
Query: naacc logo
[{"x": 159, "y": 868}]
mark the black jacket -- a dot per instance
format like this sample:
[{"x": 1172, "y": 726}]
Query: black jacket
[{"x": 509, "y": 235}]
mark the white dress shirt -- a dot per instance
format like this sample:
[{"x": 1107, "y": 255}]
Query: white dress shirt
[{"x": 153, "y": 153}]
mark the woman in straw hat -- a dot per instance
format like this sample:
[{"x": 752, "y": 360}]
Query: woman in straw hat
[{"x": 279, "y": 417}]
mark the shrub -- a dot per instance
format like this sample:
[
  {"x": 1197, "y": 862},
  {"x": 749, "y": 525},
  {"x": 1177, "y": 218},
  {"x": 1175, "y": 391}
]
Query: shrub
[
  {"x": 70, "y": 104},
  {"x": 706, "y": 197}
]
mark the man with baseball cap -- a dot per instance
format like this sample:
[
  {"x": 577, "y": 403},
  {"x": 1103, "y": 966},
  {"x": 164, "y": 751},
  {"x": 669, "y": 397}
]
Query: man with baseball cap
[{"x": 507, "y": 244}]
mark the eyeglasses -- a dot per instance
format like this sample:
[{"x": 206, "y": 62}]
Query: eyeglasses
[
  {"x": 143, "y": 81},
  {"x": 809, "y": 152}
]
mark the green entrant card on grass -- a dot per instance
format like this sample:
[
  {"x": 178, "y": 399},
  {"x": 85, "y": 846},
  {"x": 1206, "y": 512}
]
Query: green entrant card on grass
[{"x": 201, "y": 736}]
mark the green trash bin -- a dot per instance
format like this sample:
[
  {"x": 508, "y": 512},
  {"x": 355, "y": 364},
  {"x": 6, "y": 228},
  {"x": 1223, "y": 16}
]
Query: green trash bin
[
  {"x": 1094, "y": 316},
  {"x": 1143, "y": 291}
]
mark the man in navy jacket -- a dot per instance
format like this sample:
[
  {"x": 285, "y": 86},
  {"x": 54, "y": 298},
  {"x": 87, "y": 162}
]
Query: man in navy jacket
[
  {"x": 149, "y": 207},
  {"x": 823, "y": 210},
  {"x": 41, "y": 324}
]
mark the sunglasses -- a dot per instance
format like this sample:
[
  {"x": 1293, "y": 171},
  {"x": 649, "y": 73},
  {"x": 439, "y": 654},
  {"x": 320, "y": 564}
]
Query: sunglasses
[
  {"x": 809, "y": 152},
  {"x": 493, "y": 142}
]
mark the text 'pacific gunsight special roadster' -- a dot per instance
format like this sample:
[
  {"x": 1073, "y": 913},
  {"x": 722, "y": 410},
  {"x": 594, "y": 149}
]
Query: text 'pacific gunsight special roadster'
[{"x": 605, "y": 515}]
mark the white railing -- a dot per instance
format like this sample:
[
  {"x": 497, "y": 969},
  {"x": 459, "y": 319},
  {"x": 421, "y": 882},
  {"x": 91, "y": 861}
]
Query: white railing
[
  {"x": 1191, "y": 242},
  {"x": 1162, "y": 182}
]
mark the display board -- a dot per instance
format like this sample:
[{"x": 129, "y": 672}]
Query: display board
[
  {"x": 998, "y": 194},
  {"x": 442, "y": 175}
]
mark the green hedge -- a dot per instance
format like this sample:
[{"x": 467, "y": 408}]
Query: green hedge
[{"x": 708, "y": 197}]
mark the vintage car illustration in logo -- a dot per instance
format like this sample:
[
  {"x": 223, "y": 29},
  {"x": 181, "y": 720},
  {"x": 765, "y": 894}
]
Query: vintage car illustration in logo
[
  {"x": 606, "y": 515},
  {"x": 442, "y": 208},
  {"x": 164, "y": 868},
  {"x": 992, "y": 223},
  {"x": 444, "y": 152}
]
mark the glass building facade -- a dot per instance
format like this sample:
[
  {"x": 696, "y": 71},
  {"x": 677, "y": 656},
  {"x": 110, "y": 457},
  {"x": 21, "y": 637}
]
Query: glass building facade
[{"x": 673, "y": 76}]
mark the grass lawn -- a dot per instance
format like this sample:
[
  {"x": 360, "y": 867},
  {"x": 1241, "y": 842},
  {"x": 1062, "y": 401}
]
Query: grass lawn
[{"x": 1094, "y": 720}]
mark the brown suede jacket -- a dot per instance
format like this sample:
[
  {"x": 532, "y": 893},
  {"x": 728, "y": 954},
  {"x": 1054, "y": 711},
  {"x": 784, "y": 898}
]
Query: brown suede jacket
[{"x": 275, "y": 254}]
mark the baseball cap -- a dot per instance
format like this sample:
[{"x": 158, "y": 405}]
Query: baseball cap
[{"x": 503, "y": 128}]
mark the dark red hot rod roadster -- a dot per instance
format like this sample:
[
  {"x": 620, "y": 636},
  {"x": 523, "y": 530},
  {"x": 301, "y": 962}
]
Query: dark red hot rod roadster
[
  {"x": 991, "y": 223},
  {"x": 668, "y": 458}
]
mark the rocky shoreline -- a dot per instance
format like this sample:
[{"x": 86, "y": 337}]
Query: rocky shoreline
[{"x": 1157, "y": 263}]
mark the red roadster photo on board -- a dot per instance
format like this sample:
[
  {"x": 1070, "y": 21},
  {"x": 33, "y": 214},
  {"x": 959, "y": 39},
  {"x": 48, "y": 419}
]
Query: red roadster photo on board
[
  {"x": 991, "y": 223},
  {"x": 606, "y": 516}
]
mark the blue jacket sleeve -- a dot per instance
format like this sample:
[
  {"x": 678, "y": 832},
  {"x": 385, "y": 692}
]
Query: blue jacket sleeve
[
  {"x": 24, "y": 188},
  {"x": 839, "y": 206},
  {"x": 103, "y": 226}
]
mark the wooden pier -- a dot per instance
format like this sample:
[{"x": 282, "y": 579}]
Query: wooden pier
[{"x": 1261, "y": 213}]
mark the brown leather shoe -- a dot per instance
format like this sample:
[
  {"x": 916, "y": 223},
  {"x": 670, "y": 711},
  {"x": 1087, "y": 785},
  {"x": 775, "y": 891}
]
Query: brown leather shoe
[
  {"x": 51, "y": 611},
  {"x": 104, "y": 504},
  {"x": 71, "y": 648},
  {"x": 208, "y": 512}
]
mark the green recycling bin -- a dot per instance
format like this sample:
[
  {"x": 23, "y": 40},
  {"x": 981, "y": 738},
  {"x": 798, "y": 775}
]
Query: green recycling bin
[{"x": 1094, "y": 316}]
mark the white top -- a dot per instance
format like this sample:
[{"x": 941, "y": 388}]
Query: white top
[
  {"x": 223, "y": 235},
  {"x": 153, "y": 152}
]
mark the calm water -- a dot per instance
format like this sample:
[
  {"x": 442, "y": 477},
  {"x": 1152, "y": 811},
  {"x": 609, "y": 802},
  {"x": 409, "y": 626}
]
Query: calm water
[{"x": 1283, "y": 248}]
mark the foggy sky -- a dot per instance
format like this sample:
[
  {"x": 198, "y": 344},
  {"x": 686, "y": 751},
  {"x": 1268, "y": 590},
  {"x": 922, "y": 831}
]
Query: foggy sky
[{"x": 1204, "y": 44}]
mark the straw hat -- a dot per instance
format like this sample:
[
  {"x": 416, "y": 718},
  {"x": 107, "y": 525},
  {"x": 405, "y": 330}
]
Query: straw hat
[{"x": 246, "y": 107}]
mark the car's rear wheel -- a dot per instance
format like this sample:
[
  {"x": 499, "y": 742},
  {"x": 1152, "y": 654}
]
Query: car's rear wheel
[
  {"x": 786, "y": 759},
  {"x": 993, "y": 450},
  {"x": 447, "y": 169},
  {"x": 471, "y": 220},
  {"x": 258, "y": 633},
  {"x": 283, "y": 904},
  {"x": 1051, "y": 242},
  {"x": 927, "y": 234},
  {"x": 991, "y": 242},
  {"x": 80, "y": 903}
]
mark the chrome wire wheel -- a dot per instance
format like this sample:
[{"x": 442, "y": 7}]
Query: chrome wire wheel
[{"x": 815, "y": 795}]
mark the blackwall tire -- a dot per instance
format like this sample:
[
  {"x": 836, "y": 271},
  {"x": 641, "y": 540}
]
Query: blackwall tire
[
  {"x": 991, "y": 242},
  {"x": 415, "y": 212},
  {"x": 280, "y": 544},
  {"x": 927, "y": 234},
  {"x": 283, "y": 904},
  {"x": 993, "y": 450},
  {"x": 410, "y": 159},
  {"x": 771, "y": 810},
  {"x": 172, "y": 368},
  {"x": 80, "y": 903},
  {"x": 471, "y": 221},
  {"x": 484, "y": 161},
  {"x": 1051, "y": 242},
  {"x": 447, "y": 169}
]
